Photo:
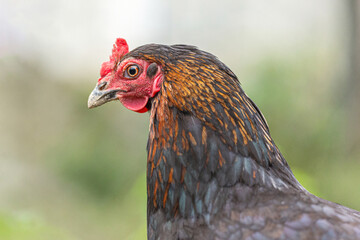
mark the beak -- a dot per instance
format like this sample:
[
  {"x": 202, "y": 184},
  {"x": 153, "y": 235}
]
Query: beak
[{"x": 99, "y": 97}]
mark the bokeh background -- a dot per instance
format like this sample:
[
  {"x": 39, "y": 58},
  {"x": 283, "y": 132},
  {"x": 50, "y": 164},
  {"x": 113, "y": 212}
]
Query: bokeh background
[{"x": 67, "y": 172}]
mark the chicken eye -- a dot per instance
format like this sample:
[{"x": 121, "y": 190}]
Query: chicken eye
[{"x": 132, "y": 71}]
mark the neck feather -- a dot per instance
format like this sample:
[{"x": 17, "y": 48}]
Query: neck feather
[{"x": 193, "y": 157}]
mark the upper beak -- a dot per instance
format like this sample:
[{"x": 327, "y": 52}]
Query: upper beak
[{"x": 99, "y": 97}]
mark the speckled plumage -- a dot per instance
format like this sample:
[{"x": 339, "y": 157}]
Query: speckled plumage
[{"x": 213, "y": 170}]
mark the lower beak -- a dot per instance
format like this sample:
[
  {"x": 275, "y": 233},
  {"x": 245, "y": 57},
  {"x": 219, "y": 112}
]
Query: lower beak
[{"x": 99, "y": 97}]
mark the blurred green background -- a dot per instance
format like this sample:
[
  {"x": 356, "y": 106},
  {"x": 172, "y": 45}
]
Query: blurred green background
[{"x": 67, "y": 172}]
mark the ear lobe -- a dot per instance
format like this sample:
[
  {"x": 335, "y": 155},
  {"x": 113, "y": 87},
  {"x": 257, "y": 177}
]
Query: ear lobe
[{"x": 156, "y": 85}]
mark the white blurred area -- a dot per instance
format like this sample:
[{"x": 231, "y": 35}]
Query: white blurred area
[{"x": 73, "y": 37}]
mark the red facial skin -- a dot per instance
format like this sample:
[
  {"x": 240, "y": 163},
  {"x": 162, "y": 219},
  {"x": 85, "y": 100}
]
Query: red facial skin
[{"x": 134, "y": 92}]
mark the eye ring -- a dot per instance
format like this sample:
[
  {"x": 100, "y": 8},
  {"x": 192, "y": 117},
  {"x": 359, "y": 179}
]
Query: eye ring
[{"x": 132, "y": 71}]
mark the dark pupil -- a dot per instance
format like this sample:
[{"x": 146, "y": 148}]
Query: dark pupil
[{"x": 132, "y": 71}]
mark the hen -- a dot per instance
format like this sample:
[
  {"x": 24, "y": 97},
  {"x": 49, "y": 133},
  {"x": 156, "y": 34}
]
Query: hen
[{"x": 213, "y": 170}]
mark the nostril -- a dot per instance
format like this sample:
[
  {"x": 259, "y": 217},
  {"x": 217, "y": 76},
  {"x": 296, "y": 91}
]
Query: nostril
[{"x": 102, "y": 86}]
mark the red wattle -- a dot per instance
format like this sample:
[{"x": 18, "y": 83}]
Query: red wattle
[
  {"x": 143, "y": 110},
  {"x": 137, "y": 104}
]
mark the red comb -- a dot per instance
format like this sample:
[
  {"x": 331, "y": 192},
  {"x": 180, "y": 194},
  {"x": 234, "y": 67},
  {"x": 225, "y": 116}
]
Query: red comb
[{"x": 120, "y": 48}]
